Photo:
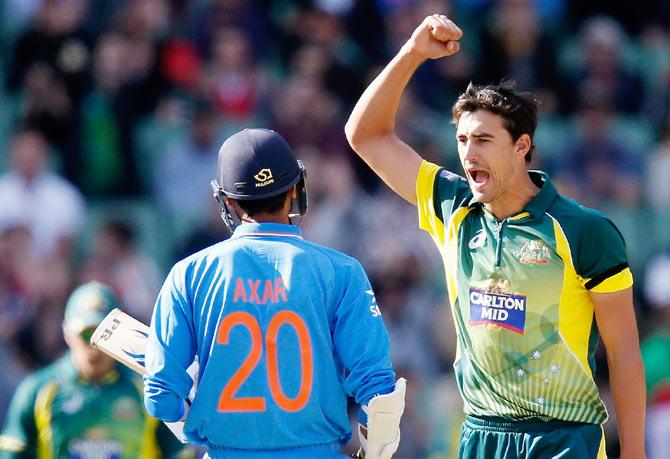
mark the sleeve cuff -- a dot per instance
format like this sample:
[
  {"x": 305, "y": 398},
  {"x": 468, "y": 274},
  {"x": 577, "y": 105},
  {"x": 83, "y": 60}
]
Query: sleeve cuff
[{"x": 619, "y": 281}]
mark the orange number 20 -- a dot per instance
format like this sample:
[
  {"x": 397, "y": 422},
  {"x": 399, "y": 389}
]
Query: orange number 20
[{"x": 228, "y": 402}]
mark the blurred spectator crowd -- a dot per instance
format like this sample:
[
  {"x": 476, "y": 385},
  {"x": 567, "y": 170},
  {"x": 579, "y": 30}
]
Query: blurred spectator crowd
[{"x": 113, "y": 112}]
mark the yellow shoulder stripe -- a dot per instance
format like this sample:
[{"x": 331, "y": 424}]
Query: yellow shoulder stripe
[
  {"x": 43, "y": 405},
  {"x": 425, "y": 185},
  {"x": 620, "y": 281}
]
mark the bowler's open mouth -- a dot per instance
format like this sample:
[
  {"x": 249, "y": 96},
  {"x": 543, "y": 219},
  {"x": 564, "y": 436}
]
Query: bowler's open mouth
[{"x": 479, "y": 176}]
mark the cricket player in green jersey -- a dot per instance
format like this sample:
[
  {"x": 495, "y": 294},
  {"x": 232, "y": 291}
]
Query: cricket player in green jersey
[
  {"x": 534, "y": 278},
  {"x": 84, "y": 405}
]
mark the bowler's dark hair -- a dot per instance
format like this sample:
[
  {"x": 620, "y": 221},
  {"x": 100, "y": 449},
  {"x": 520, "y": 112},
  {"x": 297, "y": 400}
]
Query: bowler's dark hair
[
  {"x": 518, "y": 109},
  {"x": 270, "y": 205}
]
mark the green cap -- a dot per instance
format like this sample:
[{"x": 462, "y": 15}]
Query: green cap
[{"x": 88, "y": 305}]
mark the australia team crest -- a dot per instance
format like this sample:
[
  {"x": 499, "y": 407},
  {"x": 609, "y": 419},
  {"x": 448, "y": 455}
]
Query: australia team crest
[{"x": 534, "y": 252}]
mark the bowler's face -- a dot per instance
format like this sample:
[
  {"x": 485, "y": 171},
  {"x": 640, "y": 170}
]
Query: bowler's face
[
  {"x": 89, "y": 361},
  {"x": 486, "y": 151}
]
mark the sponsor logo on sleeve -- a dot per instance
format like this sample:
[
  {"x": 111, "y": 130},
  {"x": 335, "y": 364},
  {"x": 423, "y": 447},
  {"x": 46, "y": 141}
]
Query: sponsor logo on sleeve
[
  {"x": 451, "y": 176},
  {"x": 504, "y": 310},
  {"x": 374, "y": 307}
]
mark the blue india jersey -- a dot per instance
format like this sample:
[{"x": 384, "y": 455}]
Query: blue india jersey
[{"x": 284, "y": 330}]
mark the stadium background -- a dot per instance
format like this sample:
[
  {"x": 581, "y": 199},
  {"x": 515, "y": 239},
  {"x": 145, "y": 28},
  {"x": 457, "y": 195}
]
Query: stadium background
[{"x": 129, "y": 100}]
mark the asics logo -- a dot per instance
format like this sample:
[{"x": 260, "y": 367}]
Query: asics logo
[{"x": 478, "y": 240}]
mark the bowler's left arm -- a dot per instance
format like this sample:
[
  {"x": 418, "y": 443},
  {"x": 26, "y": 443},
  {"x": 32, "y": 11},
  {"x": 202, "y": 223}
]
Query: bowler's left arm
[{"x": 618, "y": 328}]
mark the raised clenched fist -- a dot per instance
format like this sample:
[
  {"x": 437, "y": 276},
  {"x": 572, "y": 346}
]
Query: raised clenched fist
[{"x": 437, "y": 36}]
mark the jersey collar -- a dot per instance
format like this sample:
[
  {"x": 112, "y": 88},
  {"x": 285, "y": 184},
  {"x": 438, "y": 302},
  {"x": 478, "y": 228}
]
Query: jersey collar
[
  {"x": 542, "y": 200},
  {"x": 538, "y": 205},
  {"x": 267, "y": 230}
]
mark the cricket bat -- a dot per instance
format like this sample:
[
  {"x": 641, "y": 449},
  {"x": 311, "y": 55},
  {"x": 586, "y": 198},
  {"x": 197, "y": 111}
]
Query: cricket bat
[{"x": 124, "y": 338}]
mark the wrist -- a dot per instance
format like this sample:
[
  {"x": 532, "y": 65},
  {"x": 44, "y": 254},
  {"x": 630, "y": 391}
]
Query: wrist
[
  {"x": 187, "y": 407},
  {"x": 409, "y": 53}
]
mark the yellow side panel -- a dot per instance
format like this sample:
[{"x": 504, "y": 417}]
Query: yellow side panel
[
  {"x": 602, "y": 453},
  {"x": 576, "y": 307}
]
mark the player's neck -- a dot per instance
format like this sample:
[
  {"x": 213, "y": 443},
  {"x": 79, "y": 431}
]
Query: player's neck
[
  {"x": 281, "y": 216},
  {"x": 95, "y": 373},
  {"x": 266, "y": 218},
  {"x": 514, "y": 200}
]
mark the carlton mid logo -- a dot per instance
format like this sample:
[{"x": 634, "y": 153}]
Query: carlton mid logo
[
  {"x": 501, "y": 309},
  {"x": 264, "y": 177}
]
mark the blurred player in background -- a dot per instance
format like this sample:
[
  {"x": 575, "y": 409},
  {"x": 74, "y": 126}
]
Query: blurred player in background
[
  {"x": 84, "y": 405},
  {"x": 284, "y": 329},
  {"x": 527, "y": 270}
]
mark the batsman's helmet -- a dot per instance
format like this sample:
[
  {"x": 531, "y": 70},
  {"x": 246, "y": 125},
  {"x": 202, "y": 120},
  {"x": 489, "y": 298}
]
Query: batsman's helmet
[{"x": 257, "y": 164}]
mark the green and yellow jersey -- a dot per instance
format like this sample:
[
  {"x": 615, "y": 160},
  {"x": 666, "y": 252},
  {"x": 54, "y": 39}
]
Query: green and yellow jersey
[
  {"x": 55, "y": 413},
  {"x": 520, "y": 295}
]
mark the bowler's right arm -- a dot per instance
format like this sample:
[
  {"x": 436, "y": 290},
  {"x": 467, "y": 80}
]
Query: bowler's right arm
[{"x": 370, "y": 129}]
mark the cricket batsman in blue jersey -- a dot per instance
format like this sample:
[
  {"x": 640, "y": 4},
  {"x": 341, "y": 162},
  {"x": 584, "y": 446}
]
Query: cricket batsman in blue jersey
[{"x": 283, "y": 329}]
